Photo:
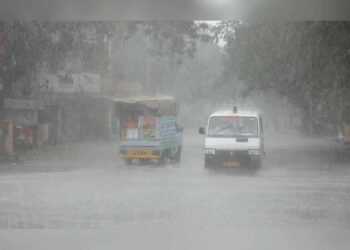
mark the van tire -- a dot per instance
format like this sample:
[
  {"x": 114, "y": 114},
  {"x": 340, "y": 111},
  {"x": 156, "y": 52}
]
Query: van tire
[
  {"x": 259, "y": 164},
  {"x": 256, "y": 165},
  {"x": 207, "y": 164}
]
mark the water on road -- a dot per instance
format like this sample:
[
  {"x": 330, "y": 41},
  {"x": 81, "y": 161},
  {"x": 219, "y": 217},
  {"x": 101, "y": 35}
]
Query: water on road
[{"x": 304, "y": 183}]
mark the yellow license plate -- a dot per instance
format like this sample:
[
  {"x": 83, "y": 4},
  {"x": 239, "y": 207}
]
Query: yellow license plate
[
  {"x": 139, "y": 153},
  {"x": 231, "y": 164}
]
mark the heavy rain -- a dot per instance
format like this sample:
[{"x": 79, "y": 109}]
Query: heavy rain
[{"x": 173, "y": 126}]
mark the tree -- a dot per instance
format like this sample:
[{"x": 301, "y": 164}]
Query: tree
[
  {"x": 298, "y": 60},
  {"x": 53, "y": 45},
  {"x": 174, "y": 37}
]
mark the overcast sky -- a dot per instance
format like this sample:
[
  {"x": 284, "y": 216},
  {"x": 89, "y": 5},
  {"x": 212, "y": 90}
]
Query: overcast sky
[{"x": 175, "y": 10}]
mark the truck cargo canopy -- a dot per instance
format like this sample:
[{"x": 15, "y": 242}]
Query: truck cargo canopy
[{"x": 146, "y": 105}]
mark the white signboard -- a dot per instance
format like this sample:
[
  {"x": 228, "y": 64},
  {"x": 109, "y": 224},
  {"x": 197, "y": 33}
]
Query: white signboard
[
  {"x": 21, "y": 117},
  {"x": 65, "y": 82},
  {"x": 23, "y": 104}
]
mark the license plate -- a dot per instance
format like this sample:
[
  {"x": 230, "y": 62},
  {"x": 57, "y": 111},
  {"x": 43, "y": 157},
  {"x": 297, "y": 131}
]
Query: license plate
[
  {"x": 231, "y": 164},
  {"x": 139, "y": 153}
]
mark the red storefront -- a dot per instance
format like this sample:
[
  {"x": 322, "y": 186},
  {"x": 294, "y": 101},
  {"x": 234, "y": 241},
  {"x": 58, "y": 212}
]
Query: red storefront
[
  {"x": 1, "y": 62},
  {"x": 28, "y": 131}
]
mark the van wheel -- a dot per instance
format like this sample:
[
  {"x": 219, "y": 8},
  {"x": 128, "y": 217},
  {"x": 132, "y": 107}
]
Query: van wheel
[
  {"x": 207, "y": 164},
  {"x": 259, "y": 164},
  {"x": 256, "y": 165}
]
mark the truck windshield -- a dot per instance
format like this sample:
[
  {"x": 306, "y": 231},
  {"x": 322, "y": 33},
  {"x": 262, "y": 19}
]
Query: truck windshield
[{"x": 233, "y": 126}]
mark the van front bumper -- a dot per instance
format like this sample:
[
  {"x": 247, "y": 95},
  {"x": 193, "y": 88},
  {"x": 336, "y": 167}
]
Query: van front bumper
[{"x": 225, "y": 157}]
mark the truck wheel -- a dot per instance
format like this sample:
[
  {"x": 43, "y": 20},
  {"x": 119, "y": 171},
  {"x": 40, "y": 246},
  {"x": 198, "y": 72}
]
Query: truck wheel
[
  {"x": 256, "y": 164},
  {"x": 178, "y": 155},
  {"x": 162, "y": 158},
  {"x": 128, "y": 161},
  {"x": 144, "y": 161}
]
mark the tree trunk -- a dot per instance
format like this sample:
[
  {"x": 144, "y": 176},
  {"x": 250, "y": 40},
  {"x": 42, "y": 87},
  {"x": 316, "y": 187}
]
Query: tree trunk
[
  {"x": 340, "y": 127},
  {"x": 310, "y": 124}
]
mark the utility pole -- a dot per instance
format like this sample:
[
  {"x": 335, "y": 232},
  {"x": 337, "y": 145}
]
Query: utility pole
[
  {"x": 109, "y": 41},
  {"x": 147, "y": 86}
]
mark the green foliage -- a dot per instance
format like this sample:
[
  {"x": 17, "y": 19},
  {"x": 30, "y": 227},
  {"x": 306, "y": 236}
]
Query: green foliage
[
  {"x": 85, "y": 45},
  {"x": 174, "y": 37},
  {"x": 306, "y": 62},
  {"x": 76, "y": 46}
]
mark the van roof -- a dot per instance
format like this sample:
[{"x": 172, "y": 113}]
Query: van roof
[{"x": 239, "y": 113}]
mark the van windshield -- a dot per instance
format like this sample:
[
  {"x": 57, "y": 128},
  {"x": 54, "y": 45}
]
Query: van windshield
[{"x": 233, "y": 126}]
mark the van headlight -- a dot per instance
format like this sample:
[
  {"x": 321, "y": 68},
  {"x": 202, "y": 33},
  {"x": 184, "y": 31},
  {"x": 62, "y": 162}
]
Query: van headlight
[
  {"x": 210, "y": 151},
  {"x": 254, "y": 151}
]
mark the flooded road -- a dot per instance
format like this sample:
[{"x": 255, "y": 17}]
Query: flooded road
[{"x": 304, "y": 183}]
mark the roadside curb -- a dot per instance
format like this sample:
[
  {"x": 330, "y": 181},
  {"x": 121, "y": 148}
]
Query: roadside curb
[
  {"x": 9, "y": 159},
  {"x": 342, "y": 142}
]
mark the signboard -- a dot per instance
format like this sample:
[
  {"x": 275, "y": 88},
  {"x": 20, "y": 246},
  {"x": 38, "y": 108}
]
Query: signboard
[
  {"x": 21, "y": 111},
  {"x": 21, "y": 117},
  {"x": 23, "y": 104},
  {"x": 1, "y": 56},
  {"x": 66, "y": 82},
  {"x": 149, "y": 122},
  {"x": 149, "y": 127},
  {"x": 1, "y": 50},
  {"x": 1, "y": 63}
]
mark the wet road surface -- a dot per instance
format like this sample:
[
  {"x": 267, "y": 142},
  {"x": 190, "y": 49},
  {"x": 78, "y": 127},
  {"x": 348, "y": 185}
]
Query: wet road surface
[{"x": 304, "y": 183}]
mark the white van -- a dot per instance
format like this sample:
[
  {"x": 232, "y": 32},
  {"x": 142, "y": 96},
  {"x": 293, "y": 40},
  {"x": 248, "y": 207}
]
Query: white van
[{"x": 234, "y": 139}]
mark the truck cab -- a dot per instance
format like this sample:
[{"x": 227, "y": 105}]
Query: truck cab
[
  {"x": 148, "y": 129},
  {"x": 233, "y": 139}
]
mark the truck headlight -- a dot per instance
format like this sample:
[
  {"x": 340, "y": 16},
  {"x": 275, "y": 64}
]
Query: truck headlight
[
  {"x": 210, "y": 151},
  {"x": 254, "y": 151}
]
